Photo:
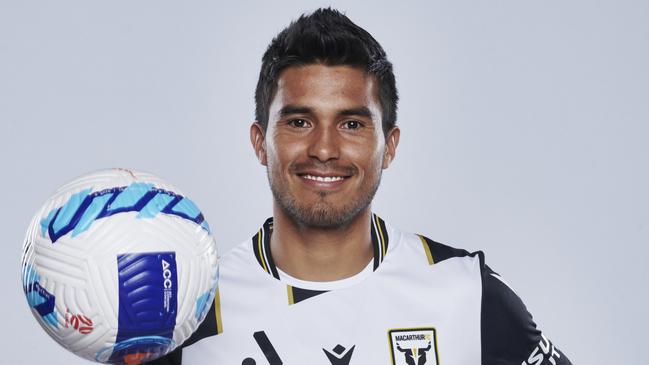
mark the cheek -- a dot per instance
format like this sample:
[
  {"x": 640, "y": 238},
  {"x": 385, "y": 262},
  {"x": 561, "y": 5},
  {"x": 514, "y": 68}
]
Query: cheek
[
  {"x": 281, "y": 154},
  {"x": 273, "y": 159},
  {"x": 377, "y": 163},
  {"x": 368, "y": 157}
]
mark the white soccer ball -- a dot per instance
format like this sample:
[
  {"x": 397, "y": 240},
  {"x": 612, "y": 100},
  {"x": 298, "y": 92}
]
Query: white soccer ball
[{"x": 119, "y": 267}]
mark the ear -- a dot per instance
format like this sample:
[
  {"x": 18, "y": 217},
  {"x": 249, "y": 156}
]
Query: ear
[
  {"x": 258, "y": 141},
  {"x": 391, "y": 143}
]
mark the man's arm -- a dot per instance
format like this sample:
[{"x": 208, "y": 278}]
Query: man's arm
[{"x": 509, "y": 334}]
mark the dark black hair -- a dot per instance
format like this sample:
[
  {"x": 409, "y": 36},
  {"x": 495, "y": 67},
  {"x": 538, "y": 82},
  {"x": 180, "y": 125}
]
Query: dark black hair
[{"x": 326, "y": 36}]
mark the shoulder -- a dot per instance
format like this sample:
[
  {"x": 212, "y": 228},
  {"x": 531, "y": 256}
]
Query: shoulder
[
  {"x": 237, "y": 258},
  {"x": 508, "y": 331},
  {"x": 429, "y": 252},
  {"x": 437, "y": 252},
  {"x": 238, "y": 253}
]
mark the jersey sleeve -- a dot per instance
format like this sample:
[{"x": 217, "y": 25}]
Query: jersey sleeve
[{"x": 509, "y": 334}]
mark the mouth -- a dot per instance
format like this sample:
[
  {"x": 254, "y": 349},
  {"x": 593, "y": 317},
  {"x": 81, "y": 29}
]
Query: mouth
[{"x": 323, "y": 180}]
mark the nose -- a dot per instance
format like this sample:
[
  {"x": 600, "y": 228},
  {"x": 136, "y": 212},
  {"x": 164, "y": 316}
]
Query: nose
[{"x": 324, "y": 144}]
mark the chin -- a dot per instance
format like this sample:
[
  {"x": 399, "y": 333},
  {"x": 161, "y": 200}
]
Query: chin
[
  {"x": 320, "y": 208},
  {"x": 321, "y": 215}
]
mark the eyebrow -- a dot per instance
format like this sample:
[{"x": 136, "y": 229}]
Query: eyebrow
[
  {"x": 293, "y": 109},
  {"x": 360, "y": 111}
]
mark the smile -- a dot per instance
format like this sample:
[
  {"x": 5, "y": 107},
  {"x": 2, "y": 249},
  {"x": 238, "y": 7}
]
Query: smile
[{"x": 323, "y": 178}]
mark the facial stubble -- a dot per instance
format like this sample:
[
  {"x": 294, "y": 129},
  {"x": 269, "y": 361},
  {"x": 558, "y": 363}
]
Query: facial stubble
[{"x": 321, "y": 214}]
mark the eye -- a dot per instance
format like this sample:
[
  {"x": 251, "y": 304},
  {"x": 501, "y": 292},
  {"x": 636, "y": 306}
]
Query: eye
[
  {"x": 298, "y": 123},
  {"x": 352, "y": 124}
]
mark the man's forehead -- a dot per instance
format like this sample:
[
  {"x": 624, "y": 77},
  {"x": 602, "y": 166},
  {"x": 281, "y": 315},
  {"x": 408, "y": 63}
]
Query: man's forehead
[
  {"x": 313, "y": 70},
  {"x": 326, "y": 86}
]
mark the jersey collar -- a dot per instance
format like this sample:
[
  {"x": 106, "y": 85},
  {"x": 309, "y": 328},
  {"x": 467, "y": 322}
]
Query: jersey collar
[{"x": 261, "y": 244}]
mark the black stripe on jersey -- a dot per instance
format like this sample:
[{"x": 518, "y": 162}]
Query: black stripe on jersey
[
  {"x": 296, "y": 295},
  {"x": 380, "y": 239},
  {"x": 437, "y": 252},
  {"x": 376, "y": 247},
  {"x": 268, "y": 230},
  {"x": 257, "y": 249},
  {"x": 261, "y": 248},
  {"x": 267, "y": 348},
  {"x": 383, "y": 235}
]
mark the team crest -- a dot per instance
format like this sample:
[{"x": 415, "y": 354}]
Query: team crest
[{"x": 413, "y": 346}]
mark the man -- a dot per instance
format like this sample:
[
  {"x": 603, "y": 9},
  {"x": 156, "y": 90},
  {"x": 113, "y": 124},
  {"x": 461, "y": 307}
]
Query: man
[{"x": 326, "y": 281}]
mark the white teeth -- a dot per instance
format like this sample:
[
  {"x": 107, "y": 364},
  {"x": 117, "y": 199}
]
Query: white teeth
[{"x": 323, "y": 178}]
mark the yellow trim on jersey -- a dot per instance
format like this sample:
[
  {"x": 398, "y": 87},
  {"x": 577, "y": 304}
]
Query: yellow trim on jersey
[
  {"x": 261, "y": 252},
  {"x": 291, "y": 300},
  {"x": 217, "y": 312},
  {"x": 429, "y": 254},
  {"x": 378, "y": 225}
]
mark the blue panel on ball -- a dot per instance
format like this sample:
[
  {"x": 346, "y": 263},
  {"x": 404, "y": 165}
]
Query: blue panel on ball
[
  {"x": 84, "y": 208},
  {"x": 67, "y": 211},
  {"x": 206, "y": 227},
  {"x": 91, "y": 213},
  {"x": 130, "y": 196},
  {"x": 148, "y": 287},
  {"x": 186, "y": 207},
  {"x": 45, "y": 222},
  {"x": 38, "y": 297},
  {"x": 155, "y": 205}
]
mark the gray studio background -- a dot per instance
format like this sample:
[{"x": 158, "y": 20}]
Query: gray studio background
[{"x": 524, "y": 134}]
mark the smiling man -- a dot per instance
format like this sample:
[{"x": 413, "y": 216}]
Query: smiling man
[
  {"x": 325, "y": 147},
  {"x": 326, "y": 281}
]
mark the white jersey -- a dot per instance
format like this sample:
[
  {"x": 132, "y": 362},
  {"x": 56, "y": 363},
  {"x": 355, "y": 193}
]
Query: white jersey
[{"x": 417, "y": 303}]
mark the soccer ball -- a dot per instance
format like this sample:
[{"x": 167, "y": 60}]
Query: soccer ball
[{"x": 119, "y": 267}]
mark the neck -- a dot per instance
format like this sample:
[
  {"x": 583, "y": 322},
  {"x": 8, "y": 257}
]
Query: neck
[{"x": 317, "y": 254}]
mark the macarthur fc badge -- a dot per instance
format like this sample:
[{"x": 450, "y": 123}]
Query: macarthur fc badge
[{"x": 413, "y": 346}]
